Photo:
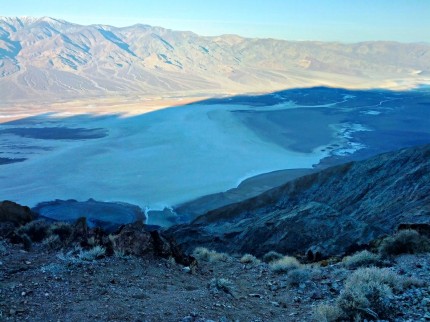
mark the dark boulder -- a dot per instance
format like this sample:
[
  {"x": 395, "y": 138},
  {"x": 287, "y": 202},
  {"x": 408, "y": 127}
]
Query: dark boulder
[
  {"x": 133, "y": 239},
  {"x": 14, "y": 213},
  {"x": 140, "y": 240}
]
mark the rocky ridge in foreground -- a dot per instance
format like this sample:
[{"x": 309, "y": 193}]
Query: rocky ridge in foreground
[
  {"x": 330, "y": 212},
  {"x": 80, "y": 280}
]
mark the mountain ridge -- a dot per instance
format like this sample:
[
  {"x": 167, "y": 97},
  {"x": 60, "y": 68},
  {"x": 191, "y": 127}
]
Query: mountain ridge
[
  {"x": 333, "y": 211},
  {"x": 52, "y": 58}
]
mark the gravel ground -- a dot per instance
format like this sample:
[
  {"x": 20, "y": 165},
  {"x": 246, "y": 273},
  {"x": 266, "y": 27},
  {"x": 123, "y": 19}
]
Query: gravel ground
[{"x": 40, "y": 285}]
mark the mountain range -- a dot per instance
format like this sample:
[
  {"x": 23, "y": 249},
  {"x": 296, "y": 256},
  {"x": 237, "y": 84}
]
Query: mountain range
[{"x": 54, "y": 59}]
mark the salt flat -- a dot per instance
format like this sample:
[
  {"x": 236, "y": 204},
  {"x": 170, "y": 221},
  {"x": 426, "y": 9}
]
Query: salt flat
[
  {"x": 154, "y": 160},
  {"x": 146, "y": 154}
]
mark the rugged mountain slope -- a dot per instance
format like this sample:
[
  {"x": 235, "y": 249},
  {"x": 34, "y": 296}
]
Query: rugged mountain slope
[
  {"x": 46, "y": 57},
  {"x": 332, "y": 210}
]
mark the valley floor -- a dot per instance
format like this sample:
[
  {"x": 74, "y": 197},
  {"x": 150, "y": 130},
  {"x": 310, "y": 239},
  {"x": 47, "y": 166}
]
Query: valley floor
[{"x": 41, "y": 286}]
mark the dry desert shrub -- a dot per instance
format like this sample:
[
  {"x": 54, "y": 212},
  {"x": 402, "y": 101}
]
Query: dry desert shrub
[
  {"x": 360, "y": 259},
  {"x": 298, "y": 276},
  {"x": 204, "y": 254},
  {"x": 92, "y": 254},
  {"x": 379, "y": 275},
  {"x": 26, "y": 242},
  {"x": 249, "y": 259},
  {"x": 272, "y": 256},
  {"x": 62, "y": 230},
  {"x": 3, "y": 249},
  {"x": 52, "y": 242},
  {"x": 285, "y": 264},
  {"x": 36, "y": 230},
  {"x": 218, "y": 285},
  {"x": 404, "y": 242},
  {"x": 327, "y": 313},
  {"x": 367, "y": 294},
  {"x": 372, "y": 300}
]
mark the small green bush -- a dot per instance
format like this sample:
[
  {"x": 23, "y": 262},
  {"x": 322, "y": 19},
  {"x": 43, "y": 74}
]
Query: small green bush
[
  {"x": 404, "y": 242},
  {"x": 250, "y": 259},
  {"x": 360, "y": 259},
  {"x": 285, "y": 264},
  {"x": 272, "y": 256}
]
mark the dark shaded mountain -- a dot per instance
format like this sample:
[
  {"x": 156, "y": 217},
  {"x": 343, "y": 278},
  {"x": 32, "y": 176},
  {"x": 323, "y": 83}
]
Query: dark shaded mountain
[
  {"x": 333, "y": 210},
  {"x": 51, "y": 58}
]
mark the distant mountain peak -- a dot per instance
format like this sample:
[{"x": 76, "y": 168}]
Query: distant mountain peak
[{"x": 98, "y": 59}]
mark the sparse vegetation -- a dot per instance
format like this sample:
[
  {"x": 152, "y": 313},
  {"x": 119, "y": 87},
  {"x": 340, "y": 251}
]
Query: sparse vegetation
[
  {"x": 26, "y": 242},
  {"x": 121, "y": 254},
  {"x": 367, "y": 300},
  {"x": 368, "y": 294},
  {"x": 202, "y": 253},
  {"x": 298, "y": 275},
  {"x": 70, "y": 256},
  {"x": 285, "y": 264},
  {"x": 36, "y": 230},
  {"x": 62, "y": 230},
  {"x": 53, "y": 268},
  {"x": 344, "y": 295},
  {"x": 217, "y": 285},
  {"x": 272, "y": 256},
  {"x": 327, "y": 313},
  {"x": 249, "y": 259},
  {"x": 360, "y": 259},
  {"x": 404, "y": 242},
  {"x": 92, "y": 254},
  {"x": 91, "y": 241},
  {"x": 52, "y": 242},
  {"x": 376, "y": 275},
  {"x": 2, "y": 248}
]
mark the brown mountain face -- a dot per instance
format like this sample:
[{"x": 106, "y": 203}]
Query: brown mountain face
[
  {"x": 50, "y": 58},
  {"x": 332, "y": 211}
]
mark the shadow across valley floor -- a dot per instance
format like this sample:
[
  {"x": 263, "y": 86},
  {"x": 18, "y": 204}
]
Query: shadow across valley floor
[{"x": 215, "y": 151}]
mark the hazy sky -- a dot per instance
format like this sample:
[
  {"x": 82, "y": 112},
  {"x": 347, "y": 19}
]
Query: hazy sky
[{"x": 337, "y": 20}]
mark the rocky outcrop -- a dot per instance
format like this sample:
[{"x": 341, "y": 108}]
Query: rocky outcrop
[
  {"x": 333, "y": 211},
  {"x": 13, "y": 215},
  {"x": 137, "y": 240}
]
